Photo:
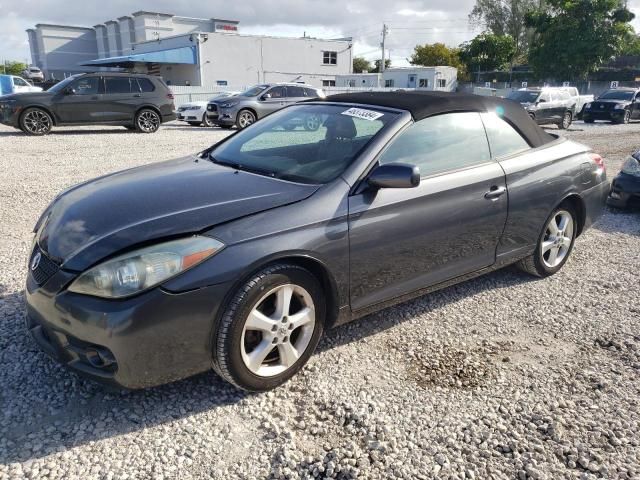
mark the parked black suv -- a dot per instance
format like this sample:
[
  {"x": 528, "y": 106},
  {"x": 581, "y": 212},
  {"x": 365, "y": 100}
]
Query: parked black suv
[
  {"x": 618, "y": 106},
  {"x": 135, "y": 101}
]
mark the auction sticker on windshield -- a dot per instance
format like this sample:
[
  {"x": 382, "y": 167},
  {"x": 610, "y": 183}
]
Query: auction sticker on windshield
[{"x": 363, "y": 113}]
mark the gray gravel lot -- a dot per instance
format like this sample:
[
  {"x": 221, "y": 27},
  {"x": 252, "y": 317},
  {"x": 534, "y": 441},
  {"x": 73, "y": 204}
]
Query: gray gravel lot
[{"x": 500, "y": 377}]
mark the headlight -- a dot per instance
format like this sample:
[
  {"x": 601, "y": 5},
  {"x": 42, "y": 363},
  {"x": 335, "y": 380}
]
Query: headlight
[
  {"x": 619, "y": 106},
  {"x": 587, "y": 106},
  {"x": 229, "y": 104},
  {"x": 147, "y": 267},
  {"x": 631, "y": 167}
]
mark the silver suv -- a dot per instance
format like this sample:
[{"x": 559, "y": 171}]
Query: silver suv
[{"x": 259, "y": 101}]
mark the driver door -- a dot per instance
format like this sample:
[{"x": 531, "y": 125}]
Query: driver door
[
  {"x": 402, "y": 240},
  {"x": 80, "y": 101},
  {"x": 273, "y": 99}
]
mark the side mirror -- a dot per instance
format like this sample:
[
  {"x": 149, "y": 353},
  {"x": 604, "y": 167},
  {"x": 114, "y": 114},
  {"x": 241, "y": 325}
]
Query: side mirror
[
  {"x": 542, "y": 100},
  {"x": 69, "y": 91},
  {"x": 395, "y": 175},
  {"x": 266, "y": 96}
]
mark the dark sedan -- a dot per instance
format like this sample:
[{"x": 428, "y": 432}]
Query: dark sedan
[
  {"x": 135, "y": 101},
  {"x": 625, "y": 187},
  {"x": 239, "y": 257},
  {"x": 618, "y": 106}
]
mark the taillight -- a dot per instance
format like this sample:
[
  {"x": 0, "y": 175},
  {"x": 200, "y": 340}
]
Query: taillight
[
  {"x": 597, "y": 159},
  {"x": 170, "y": 96}
]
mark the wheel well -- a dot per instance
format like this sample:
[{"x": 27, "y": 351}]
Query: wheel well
[
  {"x": 147, "y": 107},
  {"x": 325, "y": 278},
  {"x": 53, "y": 117},
  {"x": 577, "y": 205}
]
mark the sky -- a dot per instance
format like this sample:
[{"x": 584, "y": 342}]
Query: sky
[{"x": 409, "y": 22}]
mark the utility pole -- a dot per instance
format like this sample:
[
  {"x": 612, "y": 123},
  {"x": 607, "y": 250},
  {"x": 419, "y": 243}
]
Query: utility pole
[{"x": 385, "y": 30}]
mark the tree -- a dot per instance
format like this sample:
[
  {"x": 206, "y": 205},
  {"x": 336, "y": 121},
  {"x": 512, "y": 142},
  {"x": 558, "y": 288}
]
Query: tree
[
  {"x": 574, "y": 37},
  {"x": 361, "y": 65},
  {"x": 13, "y": 68},
  {"x": 631, "y": 45},
  {"x": 487, "y": 51},
  {"x": 434, "y": 55},
  {"x": 376, "y": 69},
  {"x": 505, "y": 17}
]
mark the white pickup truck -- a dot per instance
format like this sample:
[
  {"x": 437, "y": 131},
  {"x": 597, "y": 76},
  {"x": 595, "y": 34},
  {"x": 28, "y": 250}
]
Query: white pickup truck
[
  {"x": 581, "y": 100},
  {"x": 13, "y": 84}
]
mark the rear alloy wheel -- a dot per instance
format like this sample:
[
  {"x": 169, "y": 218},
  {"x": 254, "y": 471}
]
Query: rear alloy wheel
[
  {"x": 554, "y": 246},
  {"x": 245, "y": 118},
  {"x": 147, "y": 121},
  {"x": 312, "y": 123},
  {"x": 566, "y": 120},
  {"x": 36, "y": 122},
  {"x": 270, "y": 328}
]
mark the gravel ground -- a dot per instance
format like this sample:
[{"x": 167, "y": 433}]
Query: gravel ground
[{"x": 500, "y": 377}]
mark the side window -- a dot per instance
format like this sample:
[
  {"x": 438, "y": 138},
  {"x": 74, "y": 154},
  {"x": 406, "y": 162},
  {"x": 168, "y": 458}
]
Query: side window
[
  {"x": 87, "y": 86},
  {"x": 295, "y": 92},
  {"x": 146, "y": 85},
  {"x": 19, "y": 82},
  {"x": 114, "y": 85},
  {"x": 277, "y": 92},
  {"x": 441, "y": 144},
  {"x": 311, "y": 93},
  {"x": 503, "y": 138}
]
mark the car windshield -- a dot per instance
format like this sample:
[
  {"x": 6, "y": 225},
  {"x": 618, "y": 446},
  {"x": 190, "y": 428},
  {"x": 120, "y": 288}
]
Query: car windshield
[
  {"x": 523, "y": 96},
  {"x": 616, "y": 95},
  {"x": 58, "y": 87},
  {"x": 254, "y": 91},
  {"x": 304, "y": 143}
]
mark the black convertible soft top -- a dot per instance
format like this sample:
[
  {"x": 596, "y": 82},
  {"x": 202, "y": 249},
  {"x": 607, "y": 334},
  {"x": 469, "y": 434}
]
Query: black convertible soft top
[{"x": 426, "y": 104}]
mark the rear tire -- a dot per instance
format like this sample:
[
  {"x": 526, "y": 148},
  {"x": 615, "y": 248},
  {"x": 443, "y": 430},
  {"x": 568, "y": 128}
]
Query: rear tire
[
  {"x": 147, "y": 121},
  {"x": 566, "y": 120},
  {"x": 270, "y": 328},
  {"x": 555, "y": 243}
]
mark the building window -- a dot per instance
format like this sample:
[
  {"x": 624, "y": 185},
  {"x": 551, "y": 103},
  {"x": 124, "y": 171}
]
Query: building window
[
  {"x": 330, "y": 58},
  {"x": 423, "y": 83},
  {"x": 222, "y": 83},
  {"x": 388, "y": 83},
  {"x": 328, "y": 83},
  {"x": 442, "y": 83},
  {"x": 352, "y": 83}
]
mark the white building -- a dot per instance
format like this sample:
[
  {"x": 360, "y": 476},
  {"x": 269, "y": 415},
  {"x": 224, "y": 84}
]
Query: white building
[
  {"x": 188, "y": 51},
  {"x": 423, "y": 78}
]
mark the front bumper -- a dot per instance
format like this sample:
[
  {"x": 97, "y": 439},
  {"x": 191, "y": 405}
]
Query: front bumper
[
  {"x": 190, "y": 115},
  {"x": 625, "y": 191},
  {"x": 608, "y": 115},
  {"x": 147, "y": 340},
  {"x": 226, "y": 116}
]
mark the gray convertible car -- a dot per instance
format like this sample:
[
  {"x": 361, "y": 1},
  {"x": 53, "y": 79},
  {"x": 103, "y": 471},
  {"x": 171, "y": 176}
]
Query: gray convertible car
[{"x": 239, "y": 257}]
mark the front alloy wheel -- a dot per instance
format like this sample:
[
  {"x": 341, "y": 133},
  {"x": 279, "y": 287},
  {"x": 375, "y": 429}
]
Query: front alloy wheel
[
  {"x": 35, "y": 121},
  {"x": 312, "y": 123},
  {"x": 627, "y": 117},
  {"x": 270, "y": 328},
  {"x": 245, "y": 118},
  {"x": 566, "y": 120},
  {"x": 147, "y": 121},
  {"x": 206, "y": 122}
]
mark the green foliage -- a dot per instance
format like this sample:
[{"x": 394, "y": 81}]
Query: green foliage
[
  {"x": 438, "y": 54},
  {"x": 631, "y": 44},
  {"x": 505, "y": 17},
  {"x": 376, "y": 68},
  {"x": 13, "y": 68},
  {"x": 574, "y": 37},
  {"x": 361, "y": 65},
  {"x": 488, "y": 52}
]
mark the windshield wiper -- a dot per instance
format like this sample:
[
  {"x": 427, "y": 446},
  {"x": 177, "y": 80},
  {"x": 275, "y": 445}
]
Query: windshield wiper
[{"x": 242, "y": 168}]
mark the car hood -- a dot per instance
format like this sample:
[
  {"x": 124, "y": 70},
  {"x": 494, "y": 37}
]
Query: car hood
[{"x": 99, "y": 218}]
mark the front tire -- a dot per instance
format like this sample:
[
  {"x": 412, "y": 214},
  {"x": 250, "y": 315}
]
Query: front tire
[
  {"x": 555, "y": 244},
  {"x": 206, "y": 122},
  {"x": 625, "y": 118},
  {"x": 147, "y": 121},
  {"x": 36, "y": 122},
  {"x": 245, "y": 118},
  {"x": 270, "y": 328}
]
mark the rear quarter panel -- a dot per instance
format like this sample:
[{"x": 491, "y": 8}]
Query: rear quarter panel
[{"x": 537, "y": 182}]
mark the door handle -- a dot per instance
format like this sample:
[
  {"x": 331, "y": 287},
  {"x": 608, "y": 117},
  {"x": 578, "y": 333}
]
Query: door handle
[{"x": 495, "y": 192}]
